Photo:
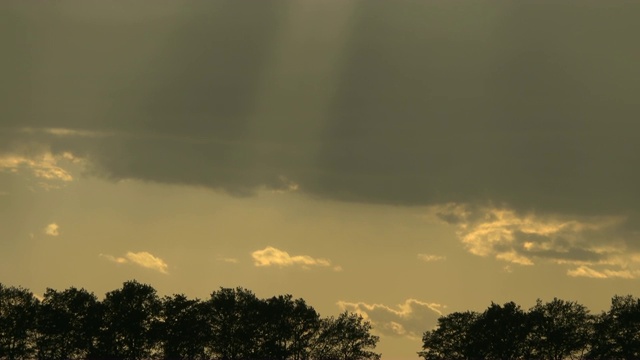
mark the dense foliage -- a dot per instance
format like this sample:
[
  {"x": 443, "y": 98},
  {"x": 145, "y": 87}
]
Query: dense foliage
[
  {"x": 555, "y": 330},
  {"x": 134, "y": 323}
]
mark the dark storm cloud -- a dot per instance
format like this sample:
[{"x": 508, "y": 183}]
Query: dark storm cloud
[
  {"x": 525, "y": 103},
  {"x": 529, "y": 104}
]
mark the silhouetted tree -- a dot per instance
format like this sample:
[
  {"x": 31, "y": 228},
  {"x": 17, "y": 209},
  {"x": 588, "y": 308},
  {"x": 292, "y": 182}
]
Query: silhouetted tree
[
  {"x": 559, "y": 330},
  {"x": 130, "y": 316},
  {"x": 617, "y": 332},
  {"x": 451, "y": 339},
  {"x": 184, "y": 328},
  {"x": 289, "y": 328},
  {"x": 18, "y": 309},
  {"x": 346, "y": 337},
  {"x": 234, "y": 320},
  {"x": 306, "y": 323},
  {"x": 133, "y": 323},
  {"x": 500, "y": 333},
  {"x": 67, "y": 324}
]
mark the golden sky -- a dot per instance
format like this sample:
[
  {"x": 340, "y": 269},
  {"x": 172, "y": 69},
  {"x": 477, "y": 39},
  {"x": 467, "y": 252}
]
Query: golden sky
[{"x": 401, "y": 159}]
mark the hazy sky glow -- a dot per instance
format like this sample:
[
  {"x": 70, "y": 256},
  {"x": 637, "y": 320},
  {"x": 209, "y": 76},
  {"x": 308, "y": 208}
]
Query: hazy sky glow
[{"x": 401, "y": 159}]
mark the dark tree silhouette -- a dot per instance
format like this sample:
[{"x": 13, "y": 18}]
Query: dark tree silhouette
[
  {"x": 617, "y": 332},
  {"x": 555, "y": 330},
  {"x": 133, "y": 323},
  {"x": 559, "y": 330},
  {"x": 346, "y": 337},
  {"x": 184, "y": 328},
  {"x": 500, "y": 333},
  {"x": 305, "y": 324},
  {"x": 234, "y": 318},
  {"x": 451, "y": 339},
  {"x": 67, "y": 324},
  {"x": 130, "y": 317},
  {"x": 289, "y": 327},
  {"x": 18, "y": 309}
]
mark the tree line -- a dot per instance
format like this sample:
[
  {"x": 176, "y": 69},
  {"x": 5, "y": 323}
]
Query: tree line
[
  {"x": 133, "y": 322},
  {"x": 555, "y": 330}
]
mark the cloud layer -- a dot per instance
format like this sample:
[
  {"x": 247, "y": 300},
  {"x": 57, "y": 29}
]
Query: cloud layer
[{"x": 429, "y": 106}]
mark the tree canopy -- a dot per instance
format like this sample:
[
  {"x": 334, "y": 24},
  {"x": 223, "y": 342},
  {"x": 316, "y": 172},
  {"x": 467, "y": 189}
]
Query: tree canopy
[
  {"x": 555, "y": 330},
  {"x": 134, "y": 323}
]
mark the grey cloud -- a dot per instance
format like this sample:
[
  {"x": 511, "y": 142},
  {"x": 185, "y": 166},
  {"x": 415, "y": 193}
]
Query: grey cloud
[
  {"x": 598, "y": 245},
  {"x": 556, "y": 247},
  {"x": 424, "y": 103}
]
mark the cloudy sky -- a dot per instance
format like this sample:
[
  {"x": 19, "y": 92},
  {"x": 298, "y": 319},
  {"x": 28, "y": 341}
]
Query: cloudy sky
[{"x": 402, "y": 159}]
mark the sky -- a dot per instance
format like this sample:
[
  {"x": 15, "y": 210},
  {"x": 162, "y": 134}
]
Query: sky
[{"x": 399, "y": 159}]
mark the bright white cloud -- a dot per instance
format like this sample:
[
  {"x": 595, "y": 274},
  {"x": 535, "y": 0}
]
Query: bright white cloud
[
  {"x": 52, "y": 229},
  {"x": 271, "y": 256},
  {"x": 431, "y": 257},
  {"x": 118, "y": 260},
  {"x": 409, "y": 319},
  {"x": 148, "y": 261},
  {"x": 585, "y": 271},
  {"x": 44, "y": 166},
  {"x": 142, "y": 258}
]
